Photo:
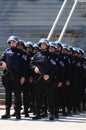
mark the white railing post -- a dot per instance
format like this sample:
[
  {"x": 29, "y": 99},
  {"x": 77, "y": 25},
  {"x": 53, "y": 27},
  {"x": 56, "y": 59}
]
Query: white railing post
[
  {"x": 68, "y": 19},
  {"x": 56, "y": 20}
]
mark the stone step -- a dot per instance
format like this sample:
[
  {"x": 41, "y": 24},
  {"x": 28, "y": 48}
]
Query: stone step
[
  {"x": 1, "y": 86},
  {"x": 2, "y": 101},
  {"x": 41, "y": 11},
  {"x": 38, "y": 28},
  {"x": 14, "y": 23},
  {"x": 45, "y": 18},
  {"x": 2, "y": 90},
  {"x": 39, "y": 6},
  {"x": 41, "y": 15},
  {"x": 2, "y": 95},
  {"x": 55, "y": 9},
  {"x": 35, "y": 2}
]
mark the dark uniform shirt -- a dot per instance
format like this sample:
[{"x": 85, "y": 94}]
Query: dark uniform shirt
[
  {"x": 16, "y": 60},
  {"x": 42, "y": 61}
]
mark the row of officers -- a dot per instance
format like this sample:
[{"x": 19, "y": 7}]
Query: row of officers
[{"x": 51, "y": 76}]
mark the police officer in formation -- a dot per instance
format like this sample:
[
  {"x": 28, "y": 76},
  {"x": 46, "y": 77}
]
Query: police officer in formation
[
  {"x": 47, "y": 74},
  {"x": 14, "y": 64},
  {"x": 42, "y": 68}
]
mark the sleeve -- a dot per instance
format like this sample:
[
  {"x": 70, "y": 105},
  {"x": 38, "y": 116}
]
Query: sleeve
[{"x": 61, "y": 70}]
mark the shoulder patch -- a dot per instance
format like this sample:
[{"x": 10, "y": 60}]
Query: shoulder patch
[
  {"x": 24, "y": 57},
  {"x": 61, "y": 63}
]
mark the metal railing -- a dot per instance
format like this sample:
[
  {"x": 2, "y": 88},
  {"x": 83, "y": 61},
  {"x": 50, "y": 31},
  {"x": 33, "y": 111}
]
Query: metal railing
[{"x": 57, "y": 19}]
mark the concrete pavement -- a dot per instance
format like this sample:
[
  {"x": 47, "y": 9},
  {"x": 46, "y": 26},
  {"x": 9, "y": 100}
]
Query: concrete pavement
[{"x": 74, "y": 122}]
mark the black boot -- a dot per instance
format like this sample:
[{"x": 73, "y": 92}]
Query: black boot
[
  {"x": 64, "y": 113},
  {"x": 51, "y": 117},
  {"x": 56, "y": 111},
  {"x": 74, "y": 110},
  {"x": 18, "y": 116},
  {"x": 26, "y": 111},
  {"x": 51, "y": 114},
  {"x": 36, "y": 117},
  {"x": 7, "y": 114}
]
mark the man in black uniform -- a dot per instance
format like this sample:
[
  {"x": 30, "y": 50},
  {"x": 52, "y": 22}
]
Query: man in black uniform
[
  {"x": 67, "y": 80},
  {"x": 76, "y": 86},
  {"x": 41, "y": 65},
  {"x": 24, "y": 87},
  {"x": 57, "y": 73},
  {"x": 30, "y": 78},
  {"x": 83, "y": 80},
  {"x": 15, "y": 69}
]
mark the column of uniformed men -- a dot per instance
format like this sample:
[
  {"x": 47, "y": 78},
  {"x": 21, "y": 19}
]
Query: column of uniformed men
[{"x": 51, "y": 76}]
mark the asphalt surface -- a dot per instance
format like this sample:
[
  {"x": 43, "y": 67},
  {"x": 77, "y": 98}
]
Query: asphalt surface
[{"x": 73, "y": 122}]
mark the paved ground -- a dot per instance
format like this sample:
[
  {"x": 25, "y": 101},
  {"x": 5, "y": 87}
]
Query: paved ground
[{"x": 74, "y": 122}]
